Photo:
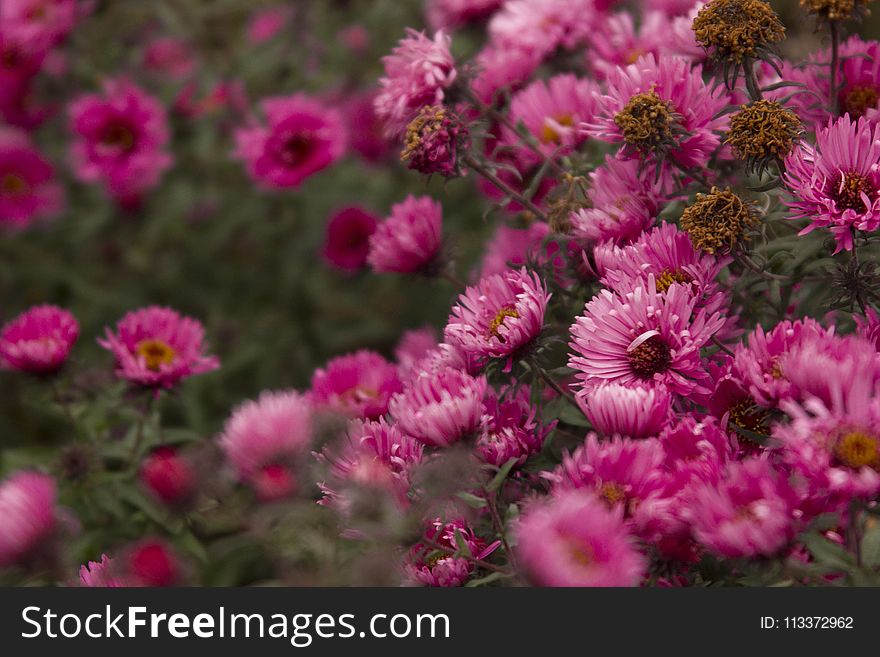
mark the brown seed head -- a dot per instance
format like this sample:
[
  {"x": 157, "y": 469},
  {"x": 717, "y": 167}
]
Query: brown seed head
[
  {"x": 736, "y": 29},
  {"x": 718, "y": 220}
]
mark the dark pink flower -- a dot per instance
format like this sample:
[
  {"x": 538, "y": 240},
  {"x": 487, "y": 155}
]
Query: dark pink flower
[
  {"x": 39, "y": 340},
  {"x": 359, "y": 385},
  {"x": 633, "y": 411},
  {"x": 170, "y": 57},
  {"x": 509, "y": 428},
  {"x": 446, "y": 570},
  {"x": 347, "y": 240},
  {"x": 409, "y": 240},
  {"x": 169, "y": 477},
  {"x": 29, "y": 189}
]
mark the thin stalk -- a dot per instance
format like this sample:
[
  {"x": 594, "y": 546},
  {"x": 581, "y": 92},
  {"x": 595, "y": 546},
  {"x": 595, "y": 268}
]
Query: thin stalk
[
  {"x": 835, "y": 46},
  {"x": 556, "y": 387},
  {"x": 504, "y": 187}
]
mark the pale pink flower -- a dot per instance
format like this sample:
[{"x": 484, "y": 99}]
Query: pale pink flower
[
  {"x": 634, "y": 411},
  {"x": 28, "y": 514}
]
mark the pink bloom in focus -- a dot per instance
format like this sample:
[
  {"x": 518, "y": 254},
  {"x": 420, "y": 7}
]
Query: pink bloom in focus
[
  {"x": 300, "y": 138},
  {"x": 634, "y": 411},
  {"x": 643, "y": 336},
  {"x": 39, "y": 340},
  {"x": 499, "y": 316},
  {"x": 266, "y": 23},
  {"x": 27, "y": 510},
  {"x": 157, "y": 347},
  {"x": 692, "y": 107},
  {"x": 573, "y": 539},
  {"x": 409, "y": 240},
  {"x": 264, "y": 438},
  {"x": 759, "y": 363},
  {"x": 836, "y": 183},
  {"x": 417, "y": 73},
  {"x": 749, "y": 512},
  {"x": 170, "y": 57},
  {"x": 552, "y": 111},
  {"x": 625, "y": 200},
  {"x": 347, "y": 240},
  {"x": 357, "y": 385},
  {"x": 120, "y": 139},
  {"x": 28, "y": 187},
  {"x": 440, "y": 408},
  {"x": 375, "y": 455},
  {"x": 447, "y": 571},
  {"x": 100, "y": 574},
  {"x": 509, "y": 428}
]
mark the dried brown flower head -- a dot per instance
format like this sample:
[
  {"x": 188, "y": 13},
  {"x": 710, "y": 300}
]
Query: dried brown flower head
[
  {"x": 763, "y": 132},
  {"x": 649, "y": 123},
  {"x": 718, "y": 220},
  {"x": 836, "y": 10},
  {"x": 736, "y": 29}
]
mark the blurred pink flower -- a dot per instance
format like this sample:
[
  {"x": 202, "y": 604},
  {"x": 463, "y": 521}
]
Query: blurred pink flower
[
  {"x": 449, "y": 14},
  {"x": 28, "y": 514},
  {"x": 358, "y": 385},
  {"x": 29, "y": 189},
  {"x": 169, "y": 477},
  {"x": 573, "y": 539},
  {"x": 347, "y": 240},
  {"x": 413, "y": 346},
  {"x": 409, "y": 239},
  {"x": 446, "y": 570},
  {"x": 302, "y": 136},
  {"x": 157, "y": 347},
  {"x": 120, "y": 139},
  {"x": 100, "y": 574},
  {"x": 265, "y": 24},
  {"x": 151, "y": 562},
  {"x": 39, "y": 340},
  {"x": 170, "y": 57},
  {"x": 41, "y": 23}
]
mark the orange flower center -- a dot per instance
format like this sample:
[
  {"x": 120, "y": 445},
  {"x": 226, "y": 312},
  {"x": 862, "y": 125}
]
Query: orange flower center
[
  {"x": 498, "y": 321},
  {"x": 155, "y": 353},
  {"x": 857, "y": 449},
  {"x": 668, "y": 277},
  {"x": 549, "y": 133}
]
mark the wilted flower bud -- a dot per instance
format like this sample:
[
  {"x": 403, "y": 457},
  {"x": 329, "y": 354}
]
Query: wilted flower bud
[
  {"x": 836, "y": 10},
  {"x": 649, "y": 124},
  {"x": 734, "y": 30},
  {"x": 433, "y": 140},
  {"x": 718, "y": 220},
  {"x": 763, "y": 132}
]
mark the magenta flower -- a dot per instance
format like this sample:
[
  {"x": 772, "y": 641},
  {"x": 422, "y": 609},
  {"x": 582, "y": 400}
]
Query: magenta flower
[
  {"x": 266, "y": 23},
  {"x": 869, "y": 327},
  {"x": 170, "y": 57},
  {"x": 573, "y": 539},
  {"x": 29, "y": 189},
  {"x": 552, "y": 111},
  {"x": 40, "y": 23},
  {"x": 499, "y": 69},
  {"x": 836, "y": 183},
  {"x": 616, "y": 42},
  {"x": 449, "y": 14},
  {"x": 120, "y": 140},
  {"x": 499, "y": 316},
  {"x": 749, "y": 512},
  {"x": 357, "y": 385},
  {"x": 759, "y": 365},
  {"x": 39, "y": 340},
  {"x": 643, "y": 336},
  {"x": 413, "y": 346},
  {"x": 542, "y": 27},
  {"x": 27, "y": 510},
  {"x": 158, "y": 348},
  {"x": 634, "y": 411},
  {"x": 409, "y": 240},
  {"x": 695, "y": 454},
  {"x": 374, "y": 455},
  {"x": 300, "y": 138},
  {"x": 263, "y": 439},
  {"x": 440, "y": 408},
  {"x": 512, "y": 247},
  {"x": 509, "y": 428},
  {"x": 347, "y": 241},
  {"x": 169, "y": 476},
  {"x": 100, "y": 574},
  {"x": 417, "y": 73},
  {"x": 686, "y": 125},
  {"x": 625, "y": 200},
  {"x": 447, "y": 570}
]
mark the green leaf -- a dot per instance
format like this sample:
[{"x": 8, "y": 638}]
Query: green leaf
[
  {"x": 870, "y": 548},
  {"x": 488, "y": 579},
  {"x": 499, "y": 478},
  {"x": 827, "y": 553},
  {"x": 473, "y": 501},
  {"x": 461, "y": 545}
]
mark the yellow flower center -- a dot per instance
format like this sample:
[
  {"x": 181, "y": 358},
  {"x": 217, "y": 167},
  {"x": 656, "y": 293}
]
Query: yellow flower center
[
  {"x": 155, "y": 353},
  {"x": 498, "y": 321},
  {"x": 668, "y": 277},
  {"x": 580, "y": 553},
  {"x": 612, "y": 492},
  {"x": 857, "y": 449},
  {"x": 549, "y": 133}
]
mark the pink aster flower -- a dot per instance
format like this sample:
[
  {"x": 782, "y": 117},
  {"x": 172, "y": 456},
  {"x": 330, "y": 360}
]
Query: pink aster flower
[
  {"x": 170, "y": 57},
  {"x": 301, "y": 137},
  {"x": 120, "y": 139},
  {"x": 365, "y": 128},
  {"x": 264, "y": 438},
  {"x": 447, "y": 570},
  {"x": 690, "y": 110},
  {"x": 347, "y": 241},
  {"x": 512, "y": 248},
  {"x": 43, "y": 23},
  {"x": 758, "y": 363},
  {"x": 635, "y": 411},
  {"x": 375, "y": 455},
  {"x": 157, "y": 347},
  {"x": 409, "y": 240},
  {"x": 869, "y": 327},
  {"x": 573, "y": 539},
  {"x": 509, "y": 428},
  {"x": 413, "y": 346},
  {"x": 643, "y": 336},
  {"x": 169, "y": 476},
  {"x": 29, "y": 189},
  {"x": 417, "y": 73},
  {"x": 358, "y": 385},
  {"x": 616, "y": 42},
  {"x": 696, "y": 453},
  {"x": 27, "y": 510},
  {"x": 499, "y": 70},
  {"x": 749, "y": 512},
  {"x": 100, "y": 574},
  {"x": 39, "y": 340},
  {"x": 668, "y": 254},
  {"x": 836, "y": 183},
  {"x": 499, "y": 316},
  {"x": 449, "y": 14},
  {"x": 543, "y": 27},
  {"x": 152, "y": 562},
  {"x": 265, "y": 24},
  {"x": 440, "y": 408},
  {"x": 625, "y": 200},
  {"x": 552, "y": 111}
]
